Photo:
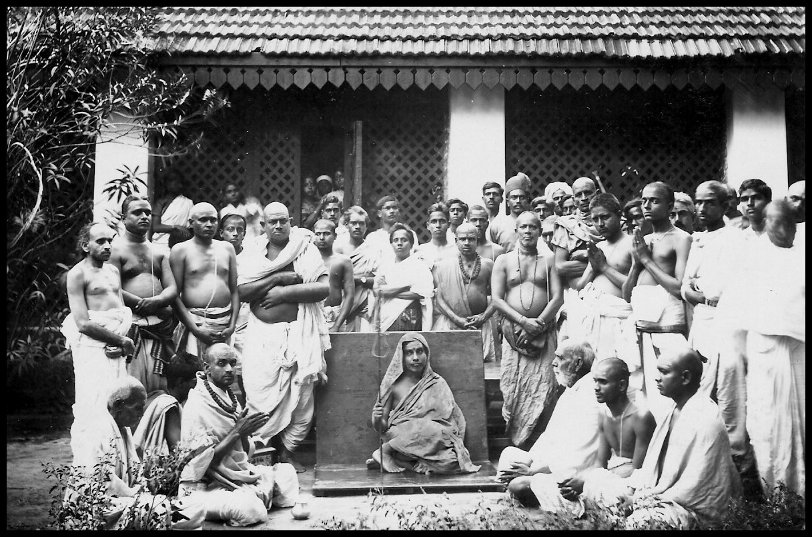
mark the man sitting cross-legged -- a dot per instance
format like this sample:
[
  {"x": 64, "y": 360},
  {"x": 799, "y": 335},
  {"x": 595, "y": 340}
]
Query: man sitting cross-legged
[
  {"x": 625, "y": 431},
  {"x": 229, "y": 487},
  {"x": 159, "y": 428},
  {"x": 570, "y": 442},
  {"x": 463, "y": 285},
  {"x": 125, "y": 487},
  {"x": 688, "y": 477},
  {"x": 421, "y": 426}
]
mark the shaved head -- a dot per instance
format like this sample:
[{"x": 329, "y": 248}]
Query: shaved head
[
  {"x": 779, "y": 216},
  {"x": 218, "y": 350},
  {"x": 202, "y": 208},
  {"x": 614, "y": 368},
  {"x": 798, "y": 187},
  {"x": 687, "y": 359},
  {"x": 582, "y": 182},
  {"x": 528, "y": 216},
  {"x": 467, "y": 227},
  {"x": 277, "y": 209}
]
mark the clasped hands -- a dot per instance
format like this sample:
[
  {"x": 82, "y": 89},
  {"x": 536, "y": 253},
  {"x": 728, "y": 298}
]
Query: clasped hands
[
  {"x": 248, "y": 424},
  {"x": 210, "y": 336},
  {"x": 530, "y": 330},
  {"x": 640, "y": 250}
]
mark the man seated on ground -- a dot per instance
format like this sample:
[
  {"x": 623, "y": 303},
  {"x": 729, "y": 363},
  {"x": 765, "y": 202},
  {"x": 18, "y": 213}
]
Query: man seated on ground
[
  {"x": 421, "y": 426},
  {"x": 205, "y": 271},
  {"x": 404, "y": 288},
  {"x": 126, "y": 487},
  {"x": 688, "y": 477},
  {"x": 438, "y": 247},
  {"x": 339, "y": 267},
  {"x": 478, "y": 217},
  {"x": 159, "y": 428},
  {"x": 365, "y": 257},
  {"x": 463, "y": 290},
  {"x": 619, "y": 454},
  {"x": 600, "y": 315},
  {"x": 570, "y": 442},
  {"x": 220, "y": 477}
]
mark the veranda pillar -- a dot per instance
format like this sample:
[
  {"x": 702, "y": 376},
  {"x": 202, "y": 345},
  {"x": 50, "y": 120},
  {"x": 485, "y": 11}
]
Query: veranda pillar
[
  {"x": 118, "y": 146},
  {"x": 757, "y": 136},
  {"x": 476, "y": 141}
]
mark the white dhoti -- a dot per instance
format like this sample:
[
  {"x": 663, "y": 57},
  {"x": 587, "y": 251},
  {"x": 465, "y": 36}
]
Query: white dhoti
[
  {"x": 776, "y": 410},
  {"x": 704, "y": 339},
  {"x": 660, "y": 322},
  {"x": 604, "y": 321},
  {"x": 94, "y": 372},
  {"x": 270, "y": 380}
]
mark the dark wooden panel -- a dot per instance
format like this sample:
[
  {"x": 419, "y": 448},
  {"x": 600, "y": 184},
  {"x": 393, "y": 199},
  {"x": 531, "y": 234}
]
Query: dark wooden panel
[{"x": 343, "y": 407}]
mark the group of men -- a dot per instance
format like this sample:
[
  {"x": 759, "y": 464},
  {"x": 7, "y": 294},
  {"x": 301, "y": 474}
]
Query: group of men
[{"x": 257, "y": 316}]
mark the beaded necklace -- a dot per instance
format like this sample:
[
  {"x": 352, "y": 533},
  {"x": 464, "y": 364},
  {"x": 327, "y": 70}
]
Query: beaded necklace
[
  {"x": 468, "y": 278},
  {"x": 217, "y": 399}
]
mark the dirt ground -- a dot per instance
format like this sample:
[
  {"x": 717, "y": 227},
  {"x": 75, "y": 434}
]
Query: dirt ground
[{"x": 31, "y": 442}]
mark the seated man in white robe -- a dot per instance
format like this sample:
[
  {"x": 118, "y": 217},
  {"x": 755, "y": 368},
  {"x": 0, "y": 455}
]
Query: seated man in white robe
[
  {"x": 688, "y": 477},
  {"x": 126, "y": 487},
  {"x": 229, "y": 487},
  {"x": 570, "y": 442},
  {"x": 159, "y": 428}
]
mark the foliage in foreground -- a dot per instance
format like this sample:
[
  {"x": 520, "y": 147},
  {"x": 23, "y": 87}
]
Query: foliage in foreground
[
  {"x": 780, "y": 510},
  {"x": 67, "y": 70},
  {"x": 80, "y": 501}
]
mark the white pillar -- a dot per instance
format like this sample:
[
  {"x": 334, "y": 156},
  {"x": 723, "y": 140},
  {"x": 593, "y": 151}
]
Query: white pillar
[
  {"x": 476, "y": 141},
  {"x": 120, "y": 144},
  {"x": 757, "y": 137}
]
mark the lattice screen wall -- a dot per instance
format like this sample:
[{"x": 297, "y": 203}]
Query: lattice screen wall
[
  {"x": 677, "y": 137},
  {"x": 404, "y": 154},
  {"x": 250, "y": 145}
]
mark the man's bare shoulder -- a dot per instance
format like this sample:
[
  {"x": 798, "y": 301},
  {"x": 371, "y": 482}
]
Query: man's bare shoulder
[{"x": 487, "y": 264}]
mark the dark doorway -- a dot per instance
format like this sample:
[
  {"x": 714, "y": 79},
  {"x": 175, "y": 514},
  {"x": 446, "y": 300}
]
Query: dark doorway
[{"x": 322, "y": 149}]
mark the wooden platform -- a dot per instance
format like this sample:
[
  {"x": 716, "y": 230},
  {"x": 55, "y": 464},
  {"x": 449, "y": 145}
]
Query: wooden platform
[
  {"x": 344, "y": 435},
  {"x": 345, "y": 479}
]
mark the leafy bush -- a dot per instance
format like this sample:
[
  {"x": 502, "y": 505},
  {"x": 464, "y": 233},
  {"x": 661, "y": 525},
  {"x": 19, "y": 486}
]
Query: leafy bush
[
  {"x": 781, "y": 510},
  {"x": 81, "y": 502}
]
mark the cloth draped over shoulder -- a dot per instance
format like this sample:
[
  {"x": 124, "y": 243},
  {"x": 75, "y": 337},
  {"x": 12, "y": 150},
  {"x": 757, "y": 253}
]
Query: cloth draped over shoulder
[
  {"x": 365, "y": 259},
  {"x": 414, "y": 273},
  {"x": 571, "y": 233},
  {"x": 696, "y": 478},
  {"x": 426, "y": 424},
  {"x": 151, "y": 431},
  {"x": 126, "y": 487},
  {"x": 174, "y": 214},
  {"x": 308, "y": 264}
]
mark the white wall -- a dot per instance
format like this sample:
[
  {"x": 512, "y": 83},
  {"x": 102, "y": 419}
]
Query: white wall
[
  {"x": 476, "y": 141},
  {"x": 757, "y": 137},
  {"x": 118, "y": 145}
]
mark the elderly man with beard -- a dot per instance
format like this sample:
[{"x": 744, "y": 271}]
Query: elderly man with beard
[
  {"x": 570, "y": 442},
  {"x": 111, "y": 444}
]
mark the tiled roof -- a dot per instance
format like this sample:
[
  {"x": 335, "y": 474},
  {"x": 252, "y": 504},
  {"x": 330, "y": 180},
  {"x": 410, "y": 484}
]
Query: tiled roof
[{"x": 608, "y": 32}]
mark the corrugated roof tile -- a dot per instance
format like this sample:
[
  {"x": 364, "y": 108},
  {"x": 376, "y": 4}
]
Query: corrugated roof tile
[{"x": 525, "y": 31}]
